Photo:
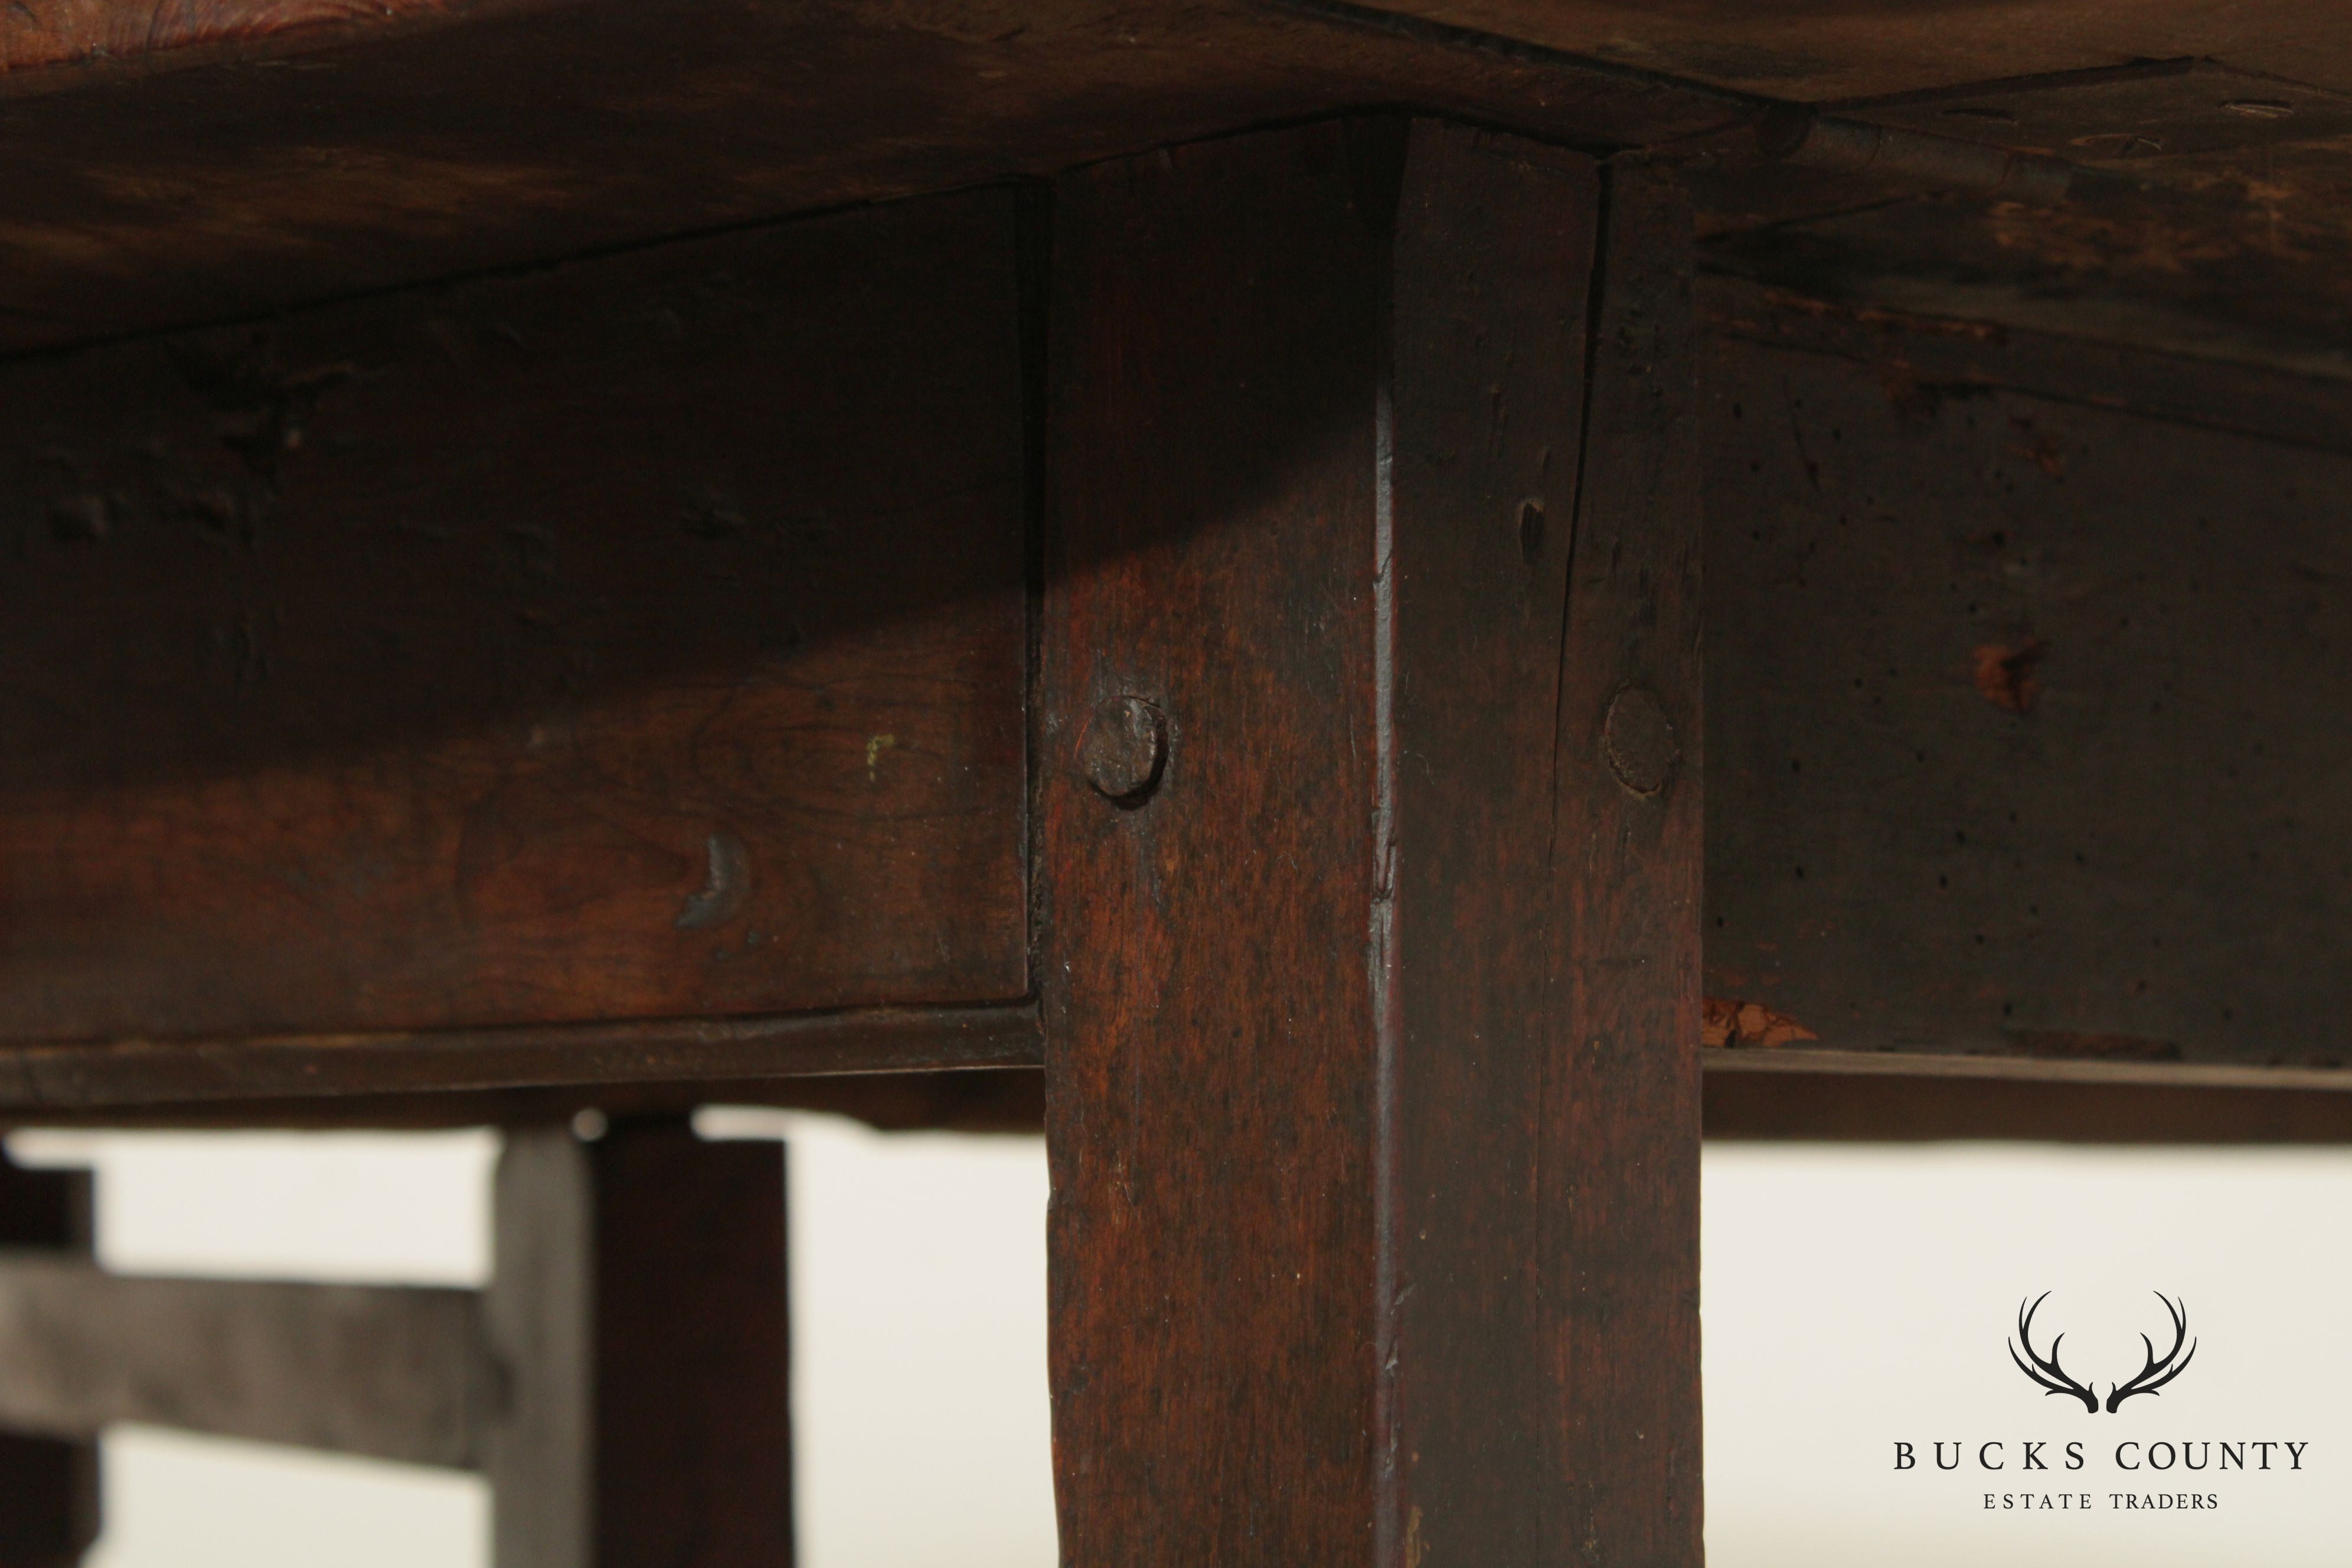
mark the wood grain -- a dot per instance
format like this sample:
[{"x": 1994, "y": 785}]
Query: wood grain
[
  {"x": 1885, "y": 1108},
  {"x": 1211, "y": 1067},
  {"x": 199, "y": 160},
  {"x": 212, "y": 182},
  {"x": 1854, "y": 49},
  {"x": 1959, "y": 357},
  {"x": 57, "y": 32},
  {"x": 1312, "y": 1003},
  {"x": 981, "y": 1101},
  {"x": 1492, "y": 273},
  {"x": 185, "y": 1076},
  {"x": 2089, "y": 1067},
  {"x": 637, "y": 638},
  {"x": 2027, "y": 665},
  {"x": 1621, "y": 1107}
]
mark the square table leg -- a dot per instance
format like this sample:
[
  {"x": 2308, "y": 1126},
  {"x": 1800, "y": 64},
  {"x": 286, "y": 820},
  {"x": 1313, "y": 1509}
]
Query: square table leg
[
  {"x": 1369, "y": 804},
  {"x": 638, "y": 1325}
]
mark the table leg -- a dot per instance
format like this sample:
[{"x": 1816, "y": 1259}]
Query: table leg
[
  {"x": 1369, "y": 751},
  {"x": 637, "y": 1317},
  {"x": 49, "y": 1488}
]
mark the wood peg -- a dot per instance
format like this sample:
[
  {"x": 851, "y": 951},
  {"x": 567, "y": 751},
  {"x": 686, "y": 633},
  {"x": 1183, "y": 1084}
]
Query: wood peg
[
  {"x": 1638, "y": 740},
  {"x": 1125, "y": 750}
]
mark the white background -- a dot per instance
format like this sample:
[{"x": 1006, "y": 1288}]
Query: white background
[{"x": 1853, "y": 1298}]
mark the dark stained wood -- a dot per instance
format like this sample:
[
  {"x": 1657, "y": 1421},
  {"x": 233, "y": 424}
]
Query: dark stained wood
[
  {"x": 2089, "y": 1067},
  {"x": 2216, "y": 256},
  {"x": 1207, "y": 957},
  {"x": 207, "y": 159},
  {"x": 385, "y": 1371},
  {"x": 1956, "y": 357},
  {"x": 643, "y": 637},
  {"x": 152, "y": 32},
  {"x": 2171, "y": 175},
  {"x": 1888, "y": 1108},
  {"x": 47, "y": 1081},
  {"x": 1933, "y": 53},
  {"x": 208, "y": 182},
  {"x": 1620, "y": 1172},
  {"x": 51, "y": 1510},
  {"x": 1806, "y": 50},
  {"x": 984, "y": 1100},
  {"x": 693, "y": 1418},
  {"x": 1488, "y": 718},
  {"x": 2028, "y": 665},
  {"x": 638, "y": 1314},
  {"x": 1341, "y": 1027},
  {"x": 49, "y": 1488},
  {"x": 2118, "y": 117}
]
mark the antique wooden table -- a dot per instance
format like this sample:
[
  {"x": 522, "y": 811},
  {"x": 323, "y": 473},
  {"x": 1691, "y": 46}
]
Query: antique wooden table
[{"x": 1136, "y": 568}]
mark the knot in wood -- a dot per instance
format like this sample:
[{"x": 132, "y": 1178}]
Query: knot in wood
[
  {"x": 1125, "y": 749},
  {"x": 1638, "y": 740}
]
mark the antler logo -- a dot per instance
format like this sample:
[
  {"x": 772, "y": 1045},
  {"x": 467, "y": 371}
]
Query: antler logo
[{"x": 2052, "y": 1378}]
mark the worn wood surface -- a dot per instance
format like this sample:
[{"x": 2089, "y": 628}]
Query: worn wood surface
[
  {"x": 1958, "y": 356},
  {"x": 384, "y": 1371},
  {"x": 1884, "y": 1108},
  {"x": 1806, "y": 52},
  {"x": 2092, "y": 1067},
  {"x": 637, "y": 1312},
  {"x": 2179, "y": 203},
  {"x": 205, "y": 159},
  {"x": 1622, "y": 1085},
  {"x": 2026, "y": 682},
  {"x": 1207, "y": 957},
  {"x": 1888, "y": 485},
  {"x": 1811, "y": 1094},
  {"x": 215, "y": 181},
  {"x": 1811, "y": 51},
  {"x": 154, "y": 32},
  {"x": 2228, "y": 257},
  {"x": 1814, "y": 1093},
  {"x": 51, "y": 1496},
  {"x": 187, "y": 1076},
  {"x": 1342, "y": 1029},
  {"x": 1009, "y": 1100},
  {"x": 1487, "y": 711},
  {"x": 638, "y": 638}
]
